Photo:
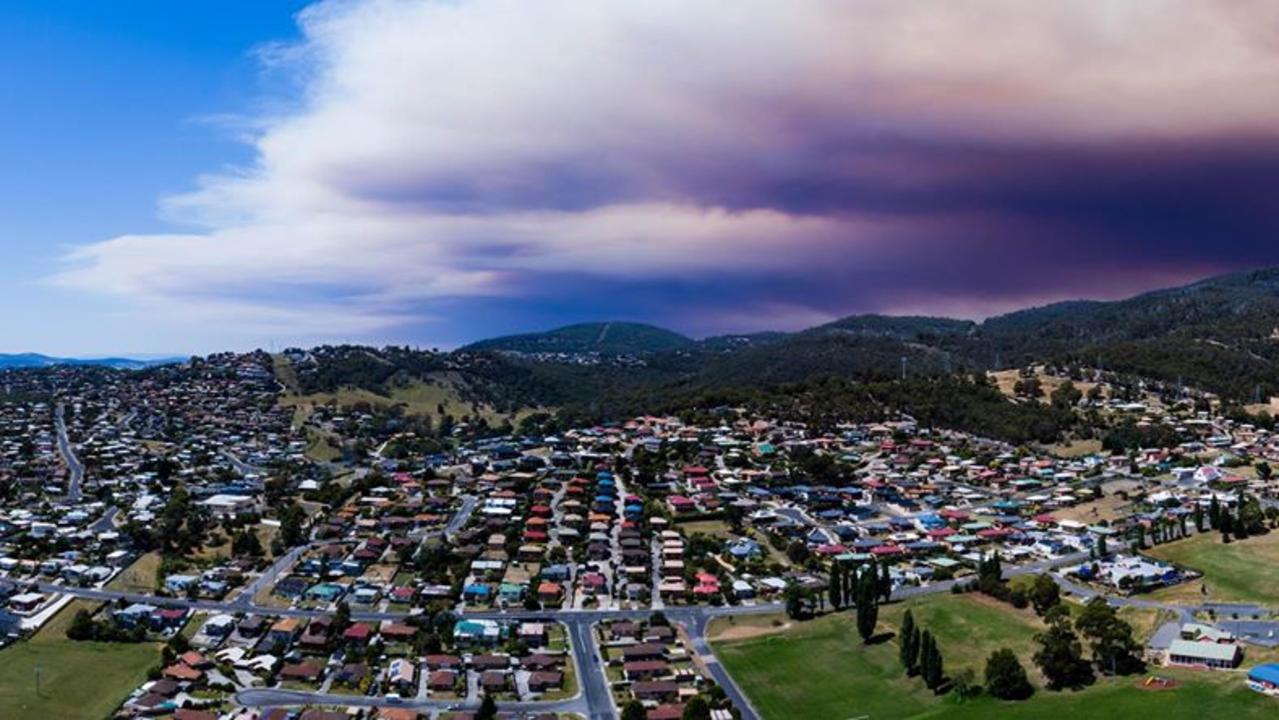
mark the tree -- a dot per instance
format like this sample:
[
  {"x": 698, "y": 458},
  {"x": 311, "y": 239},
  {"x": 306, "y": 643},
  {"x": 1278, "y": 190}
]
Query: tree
[
  {"x": 82, "y": 626},
  {"x": 1263, "y": 470},
  {"x": 246, "y": 542},
  {"x": 908, "y": 643},
  {"x": 1005, "y": 677},
  {"x": 1060, "y": 657},
  {"x": 925, "y": 655},
  {"x": 1044, "y": 594},
  {"x": 1199, "y": 518},
  {"x": 964, "y": 684},
  {"x": 933, "y": 672},
  {"x": 796, "y": 602},
  {"x": 1114, "y": 649},
  {"x": 697, "y": 709},
  {"x": 634, "y": 710},
  {"x": 867, "y": 604},
  {"x": 1029, "y": 387},
  {"x": 488, "y": 709},
  {"x": 1066, "y": 396},
  {"x": 835, "y": 585},
  {"x": 1102, "y": 550},
  {"x": 885, "y": 584}
]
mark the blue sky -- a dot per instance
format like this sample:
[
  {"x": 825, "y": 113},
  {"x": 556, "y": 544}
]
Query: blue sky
[
  {"x": 199, "y": 176},
  {"x": 108, "y": 107}
]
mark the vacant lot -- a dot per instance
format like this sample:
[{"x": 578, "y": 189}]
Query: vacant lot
[
  {"x": 820, "y": 669},
  {"x": 1246, "y": 570},
  {"x": 77, "y": 679}
]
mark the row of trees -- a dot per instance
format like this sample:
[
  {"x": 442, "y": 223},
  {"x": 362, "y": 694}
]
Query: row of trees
[{"x": 920, "y": 655}]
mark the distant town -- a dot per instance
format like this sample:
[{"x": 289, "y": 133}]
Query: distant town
[{"x": 204, "y": 541}]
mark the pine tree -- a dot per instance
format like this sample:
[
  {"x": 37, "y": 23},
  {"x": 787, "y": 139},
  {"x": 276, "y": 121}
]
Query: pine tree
[{"x": 885, "y": 584}]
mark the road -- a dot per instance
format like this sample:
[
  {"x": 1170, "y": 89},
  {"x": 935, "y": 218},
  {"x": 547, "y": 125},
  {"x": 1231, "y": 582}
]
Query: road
[
  {"x": 240, "y": 466},
  {"x": 74, "y": 466},
  {"x": 106, "y": 522},
  {"x": 462, "y": 516}
]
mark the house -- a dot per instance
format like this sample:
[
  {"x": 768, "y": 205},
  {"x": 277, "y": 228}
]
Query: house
[
  {"x": 316, "y": 634},
  {"x": 644, "y": 669},
  {"x": 493, "y": 681},
  {"x": 544, "y": 680},
  {"x": 308, "y": 671},
  {"x": 182, "y": 673},
  {"x": 659, "y": 691},
  {"x": 25, "y": 602},
  {"x": 400, "y": 673},
  {"x": 441, "y": 681},
  {"x": 472, "y": 631},
  {"x": 646, "y": 651},
  {"x": 283, "y": 631},
  {"x": 1209, "y": 655},
  {"x": 442, "y": 662}
]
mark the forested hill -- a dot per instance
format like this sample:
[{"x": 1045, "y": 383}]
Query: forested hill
[{"x": 1217, "y": 335}]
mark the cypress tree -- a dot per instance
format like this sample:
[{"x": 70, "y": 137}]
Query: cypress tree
[
  {"x": 867, "y": 603},
  {"x": 926, "y": 656},
  {"x": 909, "y": 651},
  {"x": 835, "y": 587}
]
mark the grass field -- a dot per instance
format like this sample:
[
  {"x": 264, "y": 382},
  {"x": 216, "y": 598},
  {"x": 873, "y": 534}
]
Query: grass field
[
  {"x": 1246, "y": 570},
  {"x": 138, "y": 577},
  {"x": 77, "y": 679},
  {"x": 820, "y": 669}
]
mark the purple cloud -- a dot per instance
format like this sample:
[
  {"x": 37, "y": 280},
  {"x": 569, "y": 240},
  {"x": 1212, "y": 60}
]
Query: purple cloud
[{"x": 726, "y": 169}]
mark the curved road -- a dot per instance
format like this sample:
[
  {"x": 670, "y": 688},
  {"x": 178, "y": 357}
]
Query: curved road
[{"x": 74, "y": 466}]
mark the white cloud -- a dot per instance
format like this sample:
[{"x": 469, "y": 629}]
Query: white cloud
[{"x": 454, "y": 149}]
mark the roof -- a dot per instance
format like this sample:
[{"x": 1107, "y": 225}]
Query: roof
[
  {"x": 1204, "y": 650},
  {"x": 1268, "y": 673}
]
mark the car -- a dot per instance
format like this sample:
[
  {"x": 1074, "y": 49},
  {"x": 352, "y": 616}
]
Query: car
[{"x": 394, "y": 698}]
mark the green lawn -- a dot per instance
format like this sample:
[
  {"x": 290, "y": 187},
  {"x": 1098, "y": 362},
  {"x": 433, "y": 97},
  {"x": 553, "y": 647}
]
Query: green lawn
[
  {"x": 77, "y": 679},
  {"x": 1244, "y": 570},
  {"x": 820, "y": 669}
]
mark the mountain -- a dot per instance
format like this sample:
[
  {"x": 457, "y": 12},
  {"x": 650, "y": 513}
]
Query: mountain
[
  {"x": 1220, "y": 334},
  {"x": 605, "y": 338},
  {"x": 36, "y": 360}
]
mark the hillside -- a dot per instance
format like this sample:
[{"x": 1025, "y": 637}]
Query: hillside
[
  {"x": 1217, "y": 334},
  {"x": 605, "y": 338}
]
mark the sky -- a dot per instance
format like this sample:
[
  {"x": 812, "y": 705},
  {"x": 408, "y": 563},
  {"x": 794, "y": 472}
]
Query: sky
[{"x": 429, "y": 172}]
